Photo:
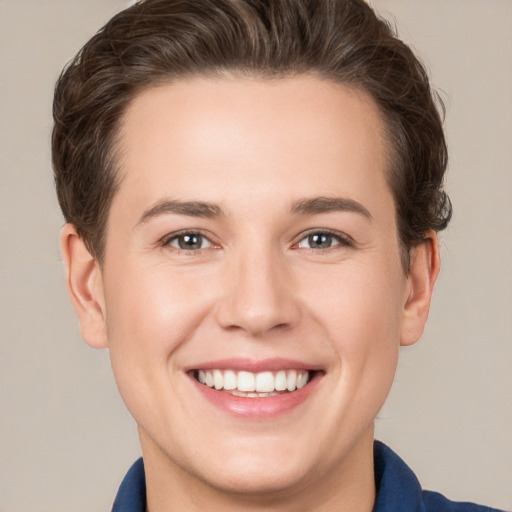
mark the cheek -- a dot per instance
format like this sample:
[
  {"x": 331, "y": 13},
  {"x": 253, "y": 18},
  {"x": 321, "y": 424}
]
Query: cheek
[
  {"x": 362, "y": 317},
  {"x": 150, "y": 314},
  {"x": 359, "y": 302},
  {"x": 365, "y": 338},
  {"x": 150, "y": 308}
]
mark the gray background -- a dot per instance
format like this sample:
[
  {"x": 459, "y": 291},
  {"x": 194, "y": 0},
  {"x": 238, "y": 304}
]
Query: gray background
[{"x": 65, "y": 438}]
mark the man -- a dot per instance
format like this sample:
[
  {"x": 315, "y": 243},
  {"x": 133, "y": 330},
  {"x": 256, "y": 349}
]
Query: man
[{"x": 252, "y": 192}]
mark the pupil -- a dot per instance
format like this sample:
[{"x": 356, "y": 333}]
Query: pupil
[
  {"x": 190, "y": 242},
  {"x": 320, "y": 240}
]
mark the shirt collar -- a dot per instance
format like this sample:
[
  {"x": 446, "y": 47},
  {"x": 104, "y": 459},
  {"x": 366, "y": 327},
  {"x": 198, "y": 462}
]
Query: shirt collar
[
  {"x": 398, "y": 489},
  {"x": 131, "y": 496}
]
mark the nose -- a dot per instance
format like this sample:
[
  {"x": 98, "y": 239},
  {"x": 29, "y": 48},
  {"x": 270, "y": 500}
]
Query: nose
[{"x": 258, "y": 294}]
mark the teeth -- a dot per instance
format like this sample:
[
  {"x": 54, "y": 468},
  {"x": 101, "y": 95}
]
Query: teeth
[
  {"x": 217, "y": 379},
  {"x": 291, "y": 380},
  {"x": 281, "y": 382},
  {"x": 210, "y": 382},
  {"x": 230, "y": 380},
  {"x": 253, "y": 395},
  {"x": 254, "y": 385},
  {"x": 246, "y": 381},
  {"x": 265, "y": 382}
]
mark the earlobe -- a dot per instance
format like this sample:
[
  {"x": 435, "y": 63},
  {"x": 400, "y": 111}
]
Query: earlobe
[
  {"x": 422, "y": 275},
  {"x": 85, "y": 287}
]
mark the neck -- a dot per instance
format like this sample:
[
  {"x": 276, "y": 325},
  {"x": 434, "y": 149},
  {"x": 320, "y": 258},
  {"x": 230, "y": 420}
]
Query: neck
[{"x": 347, "y": 486}]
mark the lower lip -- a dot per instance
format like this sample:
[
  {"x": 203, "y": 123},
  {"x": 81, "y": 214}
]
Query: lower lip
[{"x": 258, "y": 408}]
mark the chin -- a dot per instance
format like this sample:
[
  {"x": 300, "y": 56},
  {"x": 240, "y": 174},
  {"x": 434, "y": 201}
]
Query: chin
[
  {"x": 257, "y": 465},
  {"x": 263, "y": 477}
]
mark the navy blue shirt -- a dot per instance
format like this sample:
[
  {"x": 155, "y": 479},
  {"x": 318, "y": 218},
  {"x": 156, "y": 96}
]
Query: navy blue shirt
[{"x": 398, "y": 489}]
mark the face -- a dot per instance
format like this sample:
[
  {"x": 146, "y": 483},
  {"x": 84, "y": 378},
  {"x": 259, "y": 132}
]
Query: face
[{"x": 252, "y": 291}]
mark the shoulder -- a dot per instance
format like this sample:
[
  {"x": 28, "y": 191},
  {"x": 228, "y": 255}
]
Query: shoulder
[
  {"x": 398, "y": 489},
  {"x": 435, "y": 502}
]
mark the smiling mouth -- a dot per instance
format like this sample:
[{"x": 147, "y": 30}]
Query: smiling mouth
[{"x": 254, "y": 385}]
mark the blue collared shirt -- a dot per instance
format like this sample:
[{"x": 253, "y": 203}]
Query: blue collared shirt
[{"x": 398, "y": 489}]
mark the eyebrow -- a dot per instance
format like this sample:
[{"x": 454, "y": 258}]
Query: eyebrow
[
  {"x": 189, "y": 208},
  {"x": 329, "y": 204},
  {"x": 208, "y": 210}
]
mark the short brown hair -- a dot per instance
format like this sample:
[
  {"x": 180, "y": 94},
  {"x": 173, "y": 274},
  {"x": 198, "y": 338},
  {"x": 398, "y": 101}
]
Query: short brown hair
[{"x": 158, "y": 41}]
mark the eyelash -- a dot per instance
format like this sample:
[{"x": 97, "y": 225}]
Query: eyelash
[{"x": 341, "y": 240}]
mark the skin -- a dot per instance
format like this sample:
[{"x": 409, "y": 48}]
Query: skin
[{"x": 255, "y": 289}]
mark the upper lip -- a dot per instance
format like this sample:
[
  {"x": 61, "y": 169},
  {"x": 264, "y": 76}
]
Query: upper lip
[{"x": 254, "y": 366}]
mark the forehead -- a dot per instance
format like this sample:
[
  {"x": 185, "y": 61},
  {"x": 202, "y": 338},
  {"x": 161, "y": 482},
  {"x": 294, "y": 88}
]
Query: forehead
[{"x": 271, "y": 137}]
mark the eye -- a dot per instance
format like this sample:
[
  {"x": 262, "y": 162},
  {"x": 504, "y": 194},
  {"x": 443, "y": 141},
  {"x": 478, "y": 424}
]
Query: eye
[
  {"x": 322, "y": 240},
  {"x": 188, "y": 241}
]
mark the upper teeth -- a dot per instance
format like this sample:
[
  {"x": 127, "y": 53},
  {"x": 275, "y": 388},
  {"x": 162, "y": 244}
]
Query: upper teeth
[{"x": 263, "y": 382}]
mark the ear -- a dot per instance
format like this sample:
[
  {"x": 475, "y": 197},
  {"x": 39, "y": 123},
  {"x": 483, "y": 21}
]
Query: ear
[
  {"x": 85, "y": 287},
  {"x": 423, "y": 272}
]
